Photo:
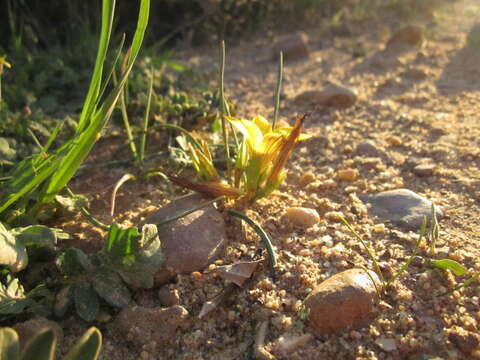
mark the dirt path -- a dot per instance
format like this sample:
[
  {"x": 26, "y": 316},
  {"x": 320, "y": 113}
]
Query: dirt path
[{"x": 419, "y": 106}]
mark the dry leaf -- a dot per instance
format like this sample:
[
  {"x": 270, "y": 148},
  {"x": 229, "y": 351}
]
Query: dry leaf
[{"x": 236, "y": 273}]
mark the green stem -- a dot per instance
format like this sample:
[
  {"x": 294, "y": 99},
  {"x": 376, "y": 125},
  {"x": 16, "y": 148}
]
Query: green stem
[
  {"x": 86, "y": 214},
  {"x": 467, "y": 282},
  {"x": 182, "y": 130},
  {"x": 367, "y": 249},
  {"x": 278, "y": 90},
  {"x": 126, "y": 122},
  {"x": 405, "y": 266},
  {"x": 143, "y": 136},
  {"x": 224, "y": 111},
  {"x": 272, "y": 259},
  {"x": 189, "y": 211}
]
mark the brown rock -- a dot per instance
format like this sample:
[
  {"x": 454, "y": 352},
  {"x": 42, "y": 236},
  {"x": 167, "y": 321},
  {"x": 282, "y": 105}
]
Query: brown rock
[
  {"x": 306, "y": 179},
  {"x": 168, "y": 296},
  {"x": 423, "y": 170},
  {"x": 26, "y": 330},
  {"x": 192, "y": 242},
  {"x": 415, "y": 74},
  {"x": 333, "y": 95},
  {"x": 343, "y": 301},
  {"x": 466, "y": 341},
  {"x": 302, "y": 217},
  {"x": 149, "y": 327},
  {"x": 410, "y": 36},
  {"x": 294, "y": 47},
  {"x": 348, "y": 174}
]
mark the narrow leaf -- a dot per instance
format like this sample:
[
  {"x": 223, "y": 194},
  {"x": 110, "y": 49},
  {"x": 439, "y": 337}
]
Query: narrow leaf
[{"x": 452, "y": 265}]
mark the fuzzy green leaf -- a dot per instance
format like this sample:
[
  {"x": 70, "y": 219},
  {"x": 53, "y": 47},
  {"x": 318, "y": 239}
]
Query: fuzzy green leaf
[
  {"x": 36, "y": 235},
  {"x": 148, "y": 259},
  {"x": 86, "y": 302},
  {"x": 110, "y": 287},
  {"x": 9, "y": 347},
  {"x": 447, "y": 264},
  {"x": 87, "y": 347},
  {"x": 120, "y": 244},
  {"x": 73, "y": 262},
  {"x": 12, "y": 252},
  {"x": 41, "y": 347}
]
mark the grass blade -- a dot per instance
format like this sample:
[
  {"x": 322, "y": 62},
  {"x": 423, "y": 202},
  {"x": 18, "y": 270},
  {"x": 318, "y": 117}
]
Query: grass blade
[{"x": 278, "y": 90}]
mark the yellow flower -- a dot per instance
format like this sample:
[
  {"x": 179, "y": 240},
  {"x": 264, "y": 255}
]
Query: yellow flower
[
  {"x": 267, "y": 152},
  {"x": 4, "y": 62}
]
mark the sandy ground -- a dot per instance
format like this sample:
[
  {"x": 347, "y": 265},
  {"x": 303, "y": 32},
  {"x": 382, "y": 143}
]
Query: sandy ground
[{"x": 431, "y": 118}]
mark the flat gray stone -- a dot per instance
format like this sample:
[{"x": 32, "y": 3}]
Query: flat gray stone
[{"x": 401, "y": 207}]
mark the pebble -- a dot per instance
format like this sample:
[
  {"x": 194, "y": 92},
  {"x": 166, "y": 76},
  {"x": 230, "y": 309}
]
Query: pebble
[
  {"x": 424, "y": 170},
  {"x": 287, "y": 343},
  {"x": 386, "y": 344},
  {"x": 369, "y": 148},
  {"x": 343, "y": 301},
  {"x": 415, "y": 74},
  {"x": 407, "y": 36},
  {"x": 26, "y": 330},
  {"x": 348, "y": 174},
  {"x": 394, "y": 141},
  {"x": 168, "y": 296},
  {"x": 465, "y": 341},
  {"x": 401, "y": 207},
  {"x": 154, "y": 327},
  {"x": 333, "y": 95},
  {"x": 302, "y": 217},
  {"x": 294, "y": 47},
  {"x": 306, "y": 179},
  {"x": 190, "y": 243}
]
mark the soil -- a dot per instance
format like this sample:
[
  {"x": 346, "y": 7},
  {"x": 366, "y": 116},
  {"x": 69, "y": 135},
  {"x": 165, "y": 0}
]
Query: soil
[{"x": 428, "y": 117}]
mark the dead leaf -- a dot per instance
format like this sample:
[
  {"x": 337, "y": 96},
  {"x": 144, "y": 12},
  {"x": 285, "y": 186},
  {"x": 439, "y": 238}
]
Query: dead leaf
[{"x": 236, "y": 273}]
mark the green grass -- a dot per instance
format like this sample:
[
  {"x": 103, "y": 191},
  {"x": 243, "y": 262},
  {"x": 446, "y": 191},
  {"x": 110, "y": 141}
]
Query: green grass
[{"x": 38, "y": 179}]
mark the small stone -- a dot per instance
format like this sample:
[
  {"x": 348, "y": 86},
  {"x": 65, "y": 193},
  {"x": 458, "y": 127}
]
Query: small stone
[
  {"x": 149, "y": 326},
  {"x": 168, "y": 296},
  {"x": 386, "y": 344},
  {"x": 302, "y": 217},
  {"x": 465, "y": 341},
  {"x": 424, "y": 170},
  {"x": 415, "y": 74},
  {"x": 418, "y": 261},
  {"x": 345, "y": 300},
  {"x": 287, "y": 343},
  {"x": 401, "y": 207},
  {"x": 192, "y": 242},
  {"x": 407, "y": 36},
  {"x": 333, "y": 95},
  {"x": 394, "y": 141},
  {"x": 369, "y": 148},
  {"x": 294, "y": 47},
  {"x": 348, "y": 174},
  {"x": 26, "y": 330},
  {"x": 306, "y": 179}
]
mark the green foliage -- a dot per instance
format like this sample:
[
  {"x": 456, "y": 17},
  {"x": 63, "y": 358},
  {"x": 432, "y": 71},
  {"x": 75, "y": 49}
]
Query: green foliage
[
  {"x": 14, "y": 300},
  {"x": 452, "y": 265},
  {"x": 14, "y": 243},
  {"x": 128, "y": 257},
  {"x": 39, "y": 179},
  {"x": 42, "y": 346}
]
